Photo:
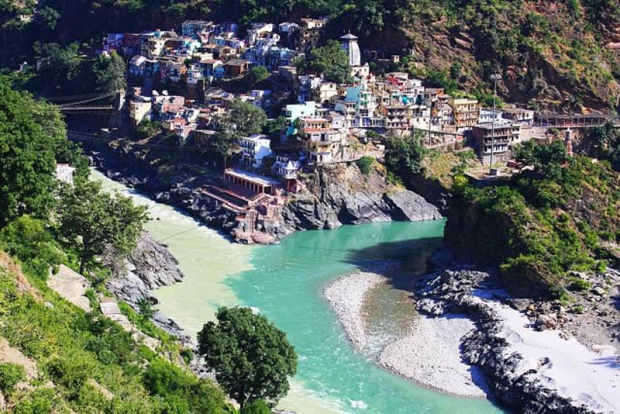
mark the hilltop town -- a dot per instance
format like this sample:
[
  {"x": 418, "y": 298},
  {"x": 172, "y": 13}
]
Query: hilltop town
[{"x": 182, "y": 87}]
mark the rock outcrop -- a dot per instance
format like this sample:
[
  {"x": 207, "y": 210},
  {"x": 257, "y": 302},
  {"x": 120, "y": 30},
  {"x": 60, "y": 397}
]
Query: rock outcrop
[
  {"x": 516, "y": 380},
  {"x": 335, "y": 194},
  {"x": 149, "y": 267},
  {"x": 341, "y": 194}
]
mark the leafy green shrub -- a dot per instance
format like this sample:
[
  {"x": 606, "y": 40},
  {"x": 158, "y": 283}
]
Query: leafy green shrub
[
  {"x": 181, "y": 391},
  {"x": 27, "y": 239},
  {"x": 10, "y": 375},
  {"x": 365, "y": 164},
  {"x": 579, "y": 285},
  {"x": 41, "y": 400},
  {"x": 71, "y": 373},
  {"x": 256, "y": 407}
]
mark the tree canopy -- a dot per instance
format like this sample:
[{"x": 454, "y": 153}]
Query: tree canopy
[
  {"x": 547, "y": 159},
  {"x": 329, "y": 60},
  {"x": 404, "y": 155},
  {"x": 252, "y": 359},
  {"x": 95, "y": 221},
  {"x": 109, "y": 73},
  {"x": 32, "y": 135}
]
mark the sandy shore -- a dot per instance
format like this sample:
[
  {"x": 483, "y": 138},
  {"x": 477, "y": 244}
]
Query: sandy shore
[
  {"x": 429, "y": 355},
  {"x": 346, "y": 297}
]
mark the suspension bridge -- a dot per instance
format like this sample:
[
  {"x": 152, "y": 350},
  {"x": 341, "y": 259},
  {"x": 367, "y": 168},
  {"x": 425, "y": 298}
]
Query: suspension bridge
[{"x": 94, "y": 103}]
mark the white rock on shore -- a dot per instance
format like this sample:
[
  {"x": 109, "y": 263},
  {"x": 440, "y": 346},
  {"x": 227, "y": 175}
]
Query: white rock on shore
[
  {"x": 346, "y": 298},
  {"x": 430, "y": 356}
]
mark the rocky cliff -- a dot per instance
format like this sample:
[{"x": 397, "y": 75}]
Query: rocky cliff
[
  {"x": 342, "y": 194},
  {"x": 147, "y": 268},
  {"x": 334, "y": 195}
]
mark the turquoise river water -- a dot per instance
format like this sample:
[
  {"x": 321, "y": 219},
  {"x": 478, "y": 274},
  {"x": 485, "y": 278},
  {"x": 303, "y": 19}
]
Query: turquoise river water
[{"x": 284, "y": 282}]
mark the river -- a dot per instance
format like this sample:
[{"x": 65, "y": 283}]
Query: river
[{"x": 284, "y": 282}]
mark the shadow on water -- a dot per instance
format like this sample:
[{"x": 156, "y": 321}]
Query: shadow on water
[{"x": 408, "y": 256}]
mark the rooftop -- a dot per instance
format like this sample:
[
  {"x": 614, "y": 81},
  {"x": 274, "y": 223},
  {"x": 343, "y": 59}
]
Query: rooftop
[{"x": 250, "y": 176}]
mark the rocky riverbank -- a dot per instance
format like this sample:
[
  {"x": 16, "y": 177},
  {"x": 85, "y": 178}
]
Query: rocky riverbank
[
  {"x": 527, "y": 369},
  {"x": 428, "y": 354},
  {"x": 333, "y": 195},
  {"x": 147, "y": 268}
]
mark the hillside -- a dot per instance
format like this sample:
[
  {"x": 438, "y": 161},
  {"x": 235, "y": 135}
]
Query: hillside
[
  {"x": 55, "y": 357},
  {"x": 547, "y": 233},
  {"x": 552, "y": 54}
]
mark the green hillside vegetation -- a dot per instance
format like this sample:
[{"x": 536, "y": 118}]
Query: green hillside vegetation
[
  {"x": 552, "y": 54},
  {"x": 544, "y": 225},
  {"x": 84, "y": 361},
  {"x": 80, "y": 352}
]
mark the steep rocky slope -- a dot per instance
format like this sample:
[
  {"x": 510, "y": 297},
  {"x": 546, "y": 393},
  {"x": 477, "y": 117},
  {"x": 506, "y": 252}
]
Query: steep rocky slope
[{"x": 341, "y": 194}]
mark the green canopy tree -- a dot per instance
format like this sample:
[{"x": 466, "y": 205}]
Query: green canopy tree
[
  {"x": 404, "y": 155},
  {"x": 547, "y": 159},
  {"x": 244, "y": 119},
  {"x": 32, "y": 135},
  {"x": 329, "y": 60},
  {"x": 110, "y": 73},
  {"x": 93, "y": 221},
  {"x": 252, "y": 359}
]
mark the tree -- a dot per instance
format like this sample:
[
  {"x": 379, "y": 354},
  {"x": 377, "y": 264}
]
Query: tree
[
  {"x": 244, "y": 119},
  {"x": 329, "y": 60},
  {"x": 31, "y": 136},
  {"x": 252, "y": 359},
  {"x": 110, "y": 73},
  {"x": 547, "y": 159},
  {"x": 605, "y": 143},
  {"x": 94, "y": 221},
  {"x": 259, "y": 74},
  {"x": 60, "y": 66},
  {"x": 404, "y": 156}
]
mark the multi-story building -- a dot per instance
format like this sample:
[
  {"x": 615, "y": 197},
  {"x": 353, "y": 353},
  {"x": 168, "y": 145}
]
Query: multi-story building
[
  {"x": 310, "y": 32},
  {"x": 500, "y": 136},
  {"x": 321, "y": 142},
  {"x": 522, "y": 116},
  {"x": 194, "y": 28},
  {"x": 295, "y": 111},
  {"x": 254, "y": 149},
  {"x": 465, "y": 112},
  {"x": 139, "y": 109}
]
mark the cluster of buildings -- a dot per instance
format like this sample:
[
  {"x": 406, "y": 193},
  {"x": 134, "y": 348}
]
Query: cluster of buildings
[
  {"x": 205, "y": 51},
  {"x": 326, "y": 124}
]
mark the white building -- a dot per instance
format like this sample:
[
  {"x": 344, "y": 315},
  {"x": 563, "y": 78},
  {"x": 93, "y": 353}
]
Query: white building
[
  {"x": 286, "y": 167},
  {"x": 254, "y": 149},
  {"x": 349, "y": 45}
]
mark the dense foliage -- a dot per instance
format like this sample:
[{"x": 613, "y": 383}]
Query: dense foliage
[
  {"x": 252, "y": 359},
  {"x": 604, "y": 142},
  {"x": 561, "y": 217},
  {"x": 330, "y": 61},
  {"x": 404, "y": 156},
  {"x": 84, "y": 361},
  {"x": 31, "y": 134},
  {"x": 83, "y": 353},
  {"x": 93, "y": 221}
]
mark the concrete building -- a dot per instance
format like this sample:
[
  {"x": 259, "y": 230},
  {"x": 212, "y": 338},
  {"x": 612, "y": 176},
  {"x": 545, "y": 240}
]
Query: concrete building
[
  {"x": 500, "y": 137},
  {"x": 465, "y": 112},
  {"x": 254, "y": 149}
]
